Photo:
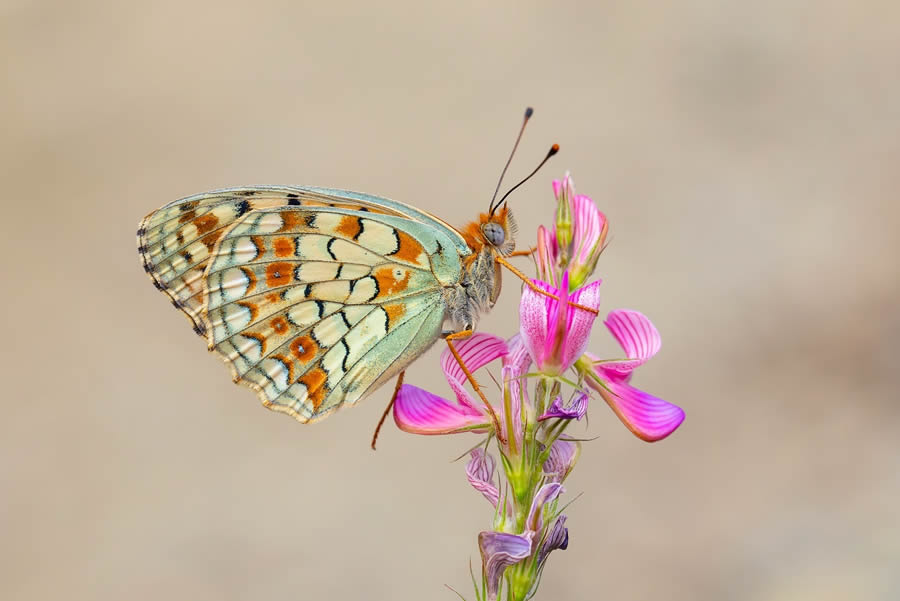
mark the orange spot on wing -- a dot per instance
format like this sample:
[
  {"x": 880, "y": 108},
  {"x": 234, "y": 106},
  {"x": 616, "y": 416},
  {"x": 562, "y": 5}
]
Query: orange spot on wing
[
  {"x": 279, "y": 325},
  {"x": 187, "y": 216},
  {"x": 389, "y": 283},
  {"x": 284, "y": 247},
  {"x": 251, "y": 277},
  {"x": 410, "y": 249},
  {"x": 314, "y": 380},
  {"x": 205, "y": 223},
  {"x": 279, "y": 274},
  {"x": 304, "y": 348},
  {"x": 259, "y": 338},
  {"x": 211, "y": 238},
  {"x": 394, "y": 312},
  {"x": 254, "y": 310},
  {"x": 259, "y": 243},
  {"x": 273, "y": 297},
  {"x": 349, "y": 227},
  {"x": 292, "y": 221}
]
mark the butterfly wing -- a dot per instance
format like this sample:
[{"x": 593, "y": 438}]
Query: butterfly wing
[
  {"x": 176, "y": 241},
  {"x": 313, "y": 296}
]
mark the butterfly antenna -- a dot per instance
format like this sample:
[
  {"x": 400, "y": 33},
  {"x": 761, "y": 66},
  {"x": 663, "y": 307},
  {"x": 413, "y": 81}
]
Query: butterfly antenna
[
  {"x": 528, "y": 113},
  {"x": 553, "y": 150}
]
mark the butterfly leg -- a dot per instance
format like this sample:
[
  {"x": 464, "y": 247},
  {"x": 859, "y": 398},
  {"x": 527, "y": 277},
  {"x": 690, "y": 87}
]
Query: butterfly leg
[
  {"x": 523, "y": 253},
  {"x": 531, "y": 285},
  {"x": 449, "y": 338},
  {"x": 388, "y": 408}
]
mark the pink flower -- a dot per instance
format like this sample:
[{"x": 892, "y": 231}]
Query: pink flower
[
  {"x": 577, "y": 239},
  {"x": 421, "y": 412},
  {"x": 555, "y": 332},
  {"x": 648, "y": 417}
]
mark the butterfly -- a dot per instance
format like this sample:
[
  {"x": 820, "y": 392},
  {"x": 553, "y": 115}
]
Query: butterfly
[{"x": 314, "y": 296}]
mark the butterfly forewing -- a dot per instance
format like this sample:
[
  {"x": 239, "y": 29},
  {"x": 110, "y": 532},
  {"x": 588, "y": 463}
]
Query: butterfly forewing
[
  {"x": 177, "y": 241},
  {"x": 313, "y": 296}
]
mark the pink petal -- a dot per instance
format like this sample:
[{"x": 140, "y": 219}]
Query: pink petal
[
  {"x": 563, "y": 456},
  {"x": 480, "y": 472},
  {"x": 534, "y": 310},
  {"x": 475, "y": 351},
  {"x": 648, "y": 417},
  {"x": 554, "y": 332},
  {"x": 638, "y": 337},
  {"x": 578, "y": 328},
  {"x": 557, "y": 322},
  {"x": 576, "y": 409},
  {"x": 499, "y": 550},
  {"x": 515, "y": 365},
  {"x": 567, "y": 185},
  {"x": 517, "y": 361},
  {"x": 589, "y": 228},
  {"x": 557, "y": 538},
  {"x": 420, "y": 412},
  {"x": 546, "y": 494},
  {"x": 547, "y": 253}
]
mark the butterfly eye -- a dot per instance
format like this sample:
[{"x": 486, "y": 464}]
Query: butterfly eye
[{"x": 494, "y": 233}]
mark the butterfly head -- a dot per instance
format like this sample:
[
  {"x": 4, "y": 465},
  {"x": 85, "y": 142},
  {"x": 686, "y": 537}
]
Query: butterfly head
[{"x": 498, "y": 230}]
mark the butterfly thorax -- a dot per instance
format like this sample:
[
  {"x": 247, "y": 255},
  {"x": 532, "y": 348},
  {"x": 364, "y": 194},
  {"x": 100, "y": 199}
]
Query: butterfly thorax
[
  {"x": 479, "y": 286},
  {"x": 476, "y": 292}
]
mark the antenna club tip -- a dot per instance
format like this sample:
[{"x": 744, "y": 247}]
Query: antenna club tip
[
  {"x": 529, "y": 112},
  {"x": 553, "y": 150}
]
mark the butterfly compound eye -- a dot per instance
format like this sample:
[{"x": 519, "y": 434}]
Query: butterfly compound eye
[{"x": 494, "y": 233}]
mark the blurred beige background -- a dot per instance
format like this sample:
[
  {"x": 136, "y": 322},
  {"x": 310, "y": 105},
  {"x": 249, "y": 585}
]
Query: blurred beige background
[{"x": 746, "y": 154}]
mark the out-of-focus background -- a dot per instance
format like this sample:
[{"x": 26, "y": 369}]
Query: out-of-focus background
[{"x": 747, "y": 157}]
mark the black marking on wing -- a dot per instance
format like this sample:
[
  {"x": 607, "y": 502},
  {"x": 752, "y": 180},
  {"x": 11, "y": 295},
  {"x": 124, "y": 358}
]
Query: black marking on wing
[
  {"x": 241, "y": 353},
  {"x": 396, "y": 242},
  {"x": 377, "y": 288},
  {"x": 241, "y": 208},
  {"x": 346, "y": 354},
  {"x": 386, "y": 319},
  {"x": 328, "y": 248}
]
